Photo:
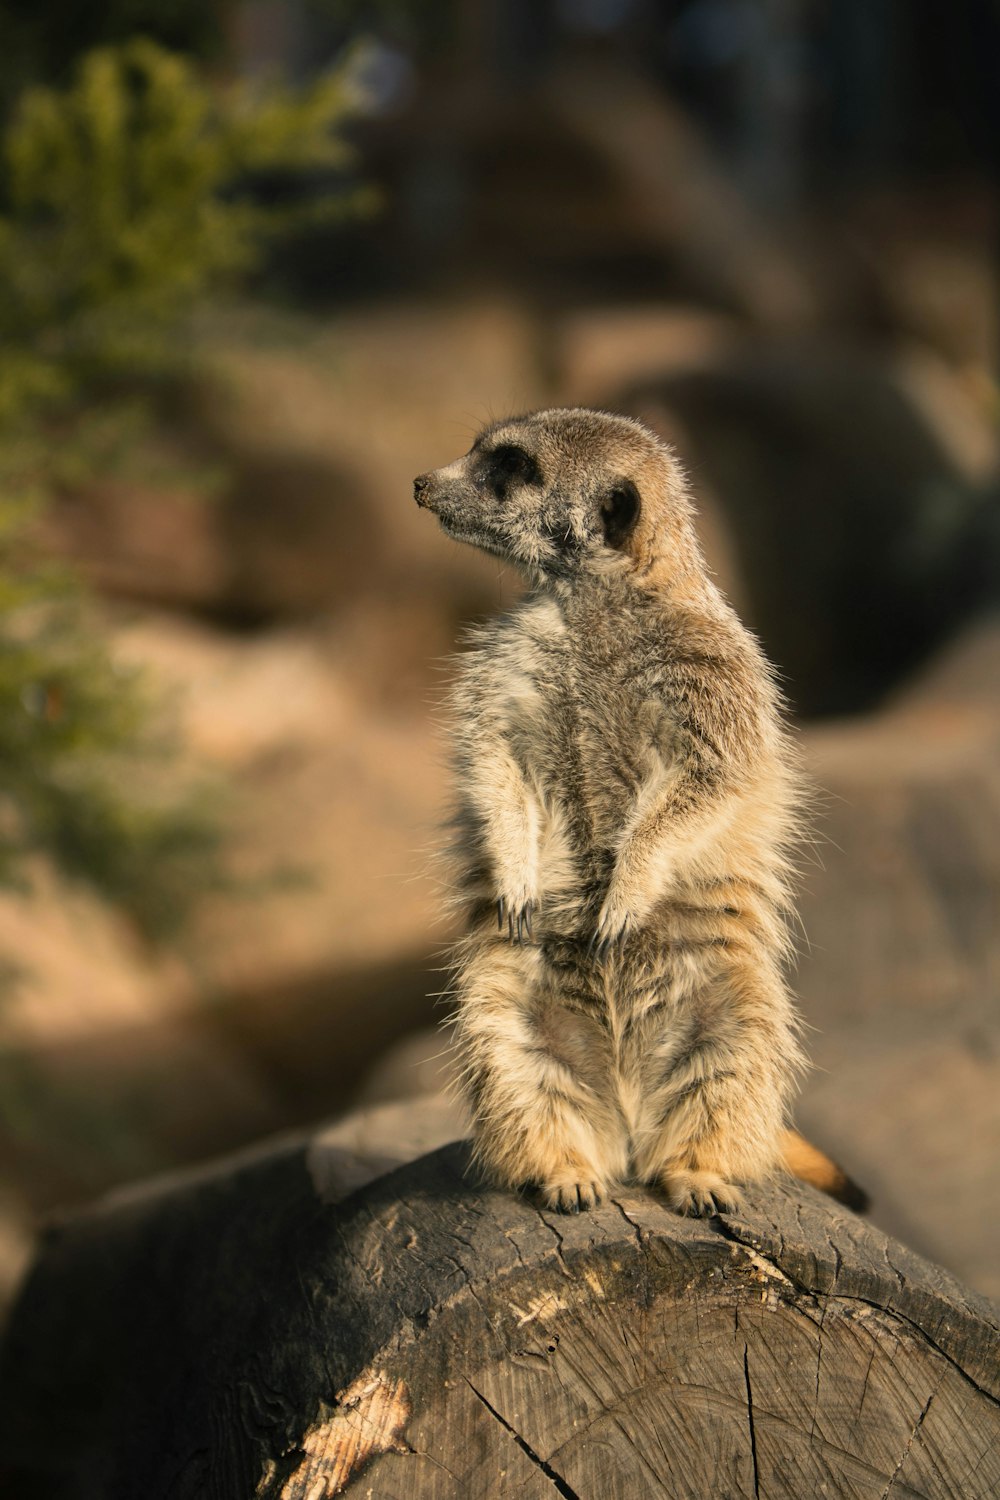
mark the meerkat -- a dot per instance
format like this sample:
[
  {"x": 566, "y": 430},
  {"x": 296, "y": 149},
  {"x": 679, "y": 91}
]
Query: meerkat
[{"x": 628, "y": 800}]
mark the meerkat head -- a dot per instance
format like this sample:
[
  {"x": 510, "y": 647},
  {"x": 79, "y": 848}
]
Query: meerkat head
[{"x": 564, "y": 492}]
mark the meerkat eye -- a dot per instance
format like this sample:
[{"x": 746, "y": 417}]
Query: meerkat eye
[
  {"x": 509, "y": 464},
  {"x": 619, "y": 512}
]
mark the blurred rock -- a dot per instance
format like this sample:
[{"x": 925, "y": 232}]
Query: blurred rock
[
  {"x": 422, "y": 1063},
  {"x": 16, "y": 1243},
  {"x": 336, "y": 803},
  {"x": 943, "y": 291},
  {"x": 597, "y": 350},
  {"x": 957, "y": 407},
  {"x": 317, "y": 436},
  {"x": 670, "y": 183},
  {"x": 115, "y": 1061},
  {"x": 901, "y": 969},
  {"x": 288, "y": 535},
  {"x": 861, "y": 545},
  {"x": 378, "y": 1138},
  {"x": 240, "y": 700},
  {"x": 903, "y": 907},
  {"x": 388, "y": 392}
]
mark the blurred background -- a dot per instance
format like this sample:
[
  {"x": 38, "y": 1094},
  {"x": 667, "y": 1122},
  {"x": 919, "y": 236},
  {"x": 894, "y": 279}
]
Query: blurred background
[{"x": 261, "y": 263}]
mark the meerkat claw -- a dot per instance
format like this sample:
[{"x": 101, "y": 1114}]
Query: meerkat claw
[
  {"x": 572, "y": 1197},
  {"x": 701, "y": 1195},
  {"x": 517, "y": 920},
  {"x": 607, "y": 938}
]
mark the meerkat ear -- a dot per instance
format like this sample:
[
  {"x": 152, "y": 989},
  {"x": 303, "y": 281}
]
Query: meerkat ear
[{"x": 619, "y": 512}]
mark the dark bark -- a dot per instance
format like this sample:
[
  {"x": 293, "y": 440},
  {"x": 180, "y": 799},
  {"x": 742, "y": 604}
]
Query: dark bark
[{"x": 260, "y": 1331}]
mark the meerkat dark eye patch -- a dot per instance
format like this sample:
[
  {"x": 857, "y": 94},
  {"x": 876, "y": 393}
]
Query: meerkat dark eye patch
[
  {"x": 619, "y": 512},
  {"x": 508, "y": 465}
]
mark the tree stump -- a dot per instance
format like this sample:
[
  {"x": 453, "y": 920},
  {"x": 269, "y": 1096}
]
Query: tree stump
[{"x": 303, "y": 1323}]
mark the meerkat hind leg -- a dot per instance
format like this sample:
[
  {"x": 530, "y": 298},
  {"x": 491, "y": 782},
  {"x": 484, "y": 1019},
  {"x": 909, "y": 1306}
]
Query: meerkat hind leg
[
  {"x": 574, "y": 1149},
  {"x": 701, "y": 1142},
  {"x": 688, "y": 1148},
  {"x": 582, "y": 1144},
  {"x": 571, "y": 1196},
  {"x": 538, "y": 1069},
  {"x": 700, "y": 1194},
  {"x": 568, "y": 1156},
  {"x": 715, "y": 1091}
]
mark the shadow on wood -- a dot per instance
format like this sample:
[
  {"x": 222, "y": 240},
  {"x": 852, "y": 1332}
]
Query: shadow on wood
[{"x": 312, "y": 1320}]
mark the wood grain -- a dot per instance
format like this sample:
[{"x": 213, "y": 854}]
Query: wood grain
[{"x": 259, "y": 1333}]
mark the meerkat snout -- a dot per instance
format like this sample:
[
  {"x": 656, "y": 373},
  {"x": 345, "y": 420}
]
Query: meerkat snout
[{"x": 566, "y": 493}]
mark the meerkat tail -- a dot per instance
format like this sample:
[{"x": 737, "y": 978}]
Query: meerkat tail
[{"x": 804, "y": 1161}]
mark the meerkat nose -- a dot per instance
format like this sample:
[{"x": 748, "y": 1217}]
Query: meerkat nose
[{"x": 420, "y": 487}]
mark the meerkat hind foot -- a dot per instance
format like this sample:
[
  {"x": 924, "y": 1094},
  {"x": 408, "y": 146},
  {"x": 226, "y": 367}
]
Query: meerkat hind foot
[
  {"x": 568, "y": 1196},
  {"x": 700, "y": 1194}
]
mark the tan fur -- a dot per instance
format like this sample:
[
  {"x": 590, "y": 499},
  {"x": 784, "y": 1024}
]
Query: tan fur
[
  {"x": 627, "y": 797},
  {"x": 804, "y": 1161}
]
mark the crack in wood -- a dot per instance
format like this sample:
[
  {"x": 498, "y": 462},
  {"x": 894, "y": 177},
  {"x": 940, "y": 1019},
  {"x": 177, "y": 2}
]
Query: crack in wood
[
  {"x": 888, "y": 1309},
  {"x": 753, "y": 1430},
  {"x": 558, "y": 1245},
  {"x": 555, "y": 1479},
  {"x": 422, "y": 1453},
  {"x": 868, "y": 1371},
  {"x": 891, "y": 1311},
  {"x": 819, "y": 1363},
  {"x": 513, "y": 1243},
  {"x": 894, "y": 1269},
  {"x": 636, "y": 1228},
  {"x": 838, "y": 1261},
  {"x": 909, "y": 1444},
  {"x": 976, "y": 1466}
]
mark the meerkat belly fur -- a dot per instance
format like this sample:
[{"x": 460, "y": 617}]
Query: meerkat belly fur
[{"x": 627, "y": 800}]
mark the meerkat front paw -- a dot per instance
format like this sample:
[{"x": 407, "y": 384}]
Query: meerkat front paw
[
  {"x": 515, "y": 913},
  {"x": 700, "y": 1194},
  {"x": 567, "y": 1195},
  {"x": 613, "y": 926}
]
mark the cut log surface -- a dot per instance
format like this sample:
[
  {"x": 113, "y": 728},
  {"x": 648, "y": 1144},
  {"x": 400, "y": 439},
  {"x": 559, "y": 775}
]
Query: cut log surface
[{"x": 313, "y": 1320}]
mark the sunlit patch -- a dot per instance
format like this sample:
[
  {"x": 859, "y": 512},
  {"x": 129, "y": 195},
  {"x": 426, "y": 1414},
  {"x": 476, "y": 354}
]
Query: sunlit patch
[{"x": 369, "y": 1419}]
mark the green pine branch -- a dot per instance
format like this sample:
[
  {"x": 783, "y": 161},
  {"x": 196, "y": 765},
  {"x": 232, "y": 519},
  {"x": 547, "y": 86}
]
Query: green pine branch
[{"x": 126, "y": 198}]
